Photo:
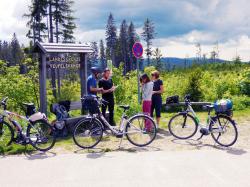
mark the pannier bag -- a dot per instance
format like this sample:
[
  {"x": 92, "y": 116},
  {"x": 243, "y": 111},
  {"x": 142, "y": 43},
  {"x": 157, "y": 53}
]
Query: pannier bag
[
  {"x": 172, "y": 99},
  {"x": 223, "y": 106},
  {"x": 30, "y": 110},
  {"x": 90, "y": 104}
]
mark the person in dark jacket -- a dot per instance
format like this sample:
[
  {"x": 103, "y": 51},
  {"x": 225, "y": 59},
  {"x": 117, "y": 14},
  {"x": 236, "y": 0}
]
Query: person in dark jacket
[
  {"x": 92, "y": 81},
  {"x": 156, "y": 97},
  {"x": 108, "y": 88}
]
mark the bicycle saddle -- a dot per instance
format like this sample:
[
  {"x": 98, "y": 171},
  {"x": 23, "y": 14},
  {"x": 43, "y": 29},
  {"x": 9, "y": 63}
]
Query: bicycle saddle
[
  {"x": 209, "y": 107},
  {"x": 125, "y": 107},
  {"x": 28, "y": 104}
]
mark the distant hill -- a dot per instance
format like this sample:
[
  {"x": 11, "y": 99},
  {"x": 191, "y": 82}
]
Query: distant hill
[{"x": 173, "y": 62}]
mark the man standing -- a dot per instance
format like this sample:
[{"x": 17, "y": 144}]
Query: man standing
[
  {"x": 108, "y": 87},
  {"x": 92, "y": 82}
]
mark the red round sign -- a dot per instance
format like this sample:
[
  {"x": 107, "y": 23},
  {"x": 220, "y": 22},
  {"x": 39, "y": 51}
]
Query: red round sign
[{"x": 137, "y": 50}]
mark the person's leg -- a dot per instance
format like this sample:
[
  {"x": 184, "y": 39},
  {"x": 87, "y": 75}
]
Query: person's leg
[
  {"x": 111, "y": 106},
  {"x": 152, "y": 108},
  {"x": 158, "y": 111},
  {"x": 104, "y": 108},
  {"x": 147, "y": 111}
]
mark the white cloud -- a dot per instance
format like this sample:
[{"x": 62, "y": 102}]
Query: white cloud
[
  {"x": 87, "y": 36},
  {"x": 11, "y": 19},
  {"x": 179, "y": 24},
  {"x": 184, "y": 46}
]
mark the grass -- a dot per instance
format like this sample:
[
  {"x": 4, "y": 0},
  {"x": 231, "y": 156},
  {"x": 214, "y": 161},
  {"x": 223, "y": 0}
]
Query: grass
[{"x": 68, "y": 145}]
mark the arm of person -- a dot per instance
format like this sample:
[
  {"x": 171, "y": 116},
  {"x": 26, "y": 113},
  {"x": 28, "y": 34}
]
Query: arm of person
[{"x": 97, "y": 90}]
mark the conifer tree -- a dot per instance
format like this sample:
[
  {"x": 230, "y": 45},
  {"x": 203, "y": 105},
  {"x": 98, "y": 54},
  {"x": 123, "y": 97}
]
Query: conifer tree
[
  {"x": 38, "y": 28},
  {"x": 148, "y": 35},
  {"x": 102, "y": 55},
  {"x": 16, "y": 51},
  {"x": 123, "y": 40},
  {"x": 111, "y": 39},
  {"x": 132, "y": 38}
]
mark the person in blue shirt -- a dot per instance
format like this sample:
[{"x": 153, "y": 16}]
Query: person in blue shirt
[{"x": 92, "y": 88}]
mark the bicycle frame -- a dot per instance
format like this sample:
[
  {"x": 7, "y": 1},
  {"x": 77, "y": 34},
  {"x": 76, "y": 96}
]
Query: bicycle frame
[
  {"x": 10, "y": 116},
  {"x": 209, "y": 118},
  {"x": 121, "y": 129}
]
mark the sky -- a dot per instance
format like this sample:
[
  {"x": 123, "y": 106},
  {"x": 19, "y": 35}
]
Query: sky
[{"x": 179, "y": 24}]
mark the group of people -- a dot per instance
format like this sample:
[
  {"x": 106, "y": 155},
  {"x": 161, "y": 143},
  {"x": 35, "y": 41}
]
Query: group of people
[{"x": 152, "y": 89}]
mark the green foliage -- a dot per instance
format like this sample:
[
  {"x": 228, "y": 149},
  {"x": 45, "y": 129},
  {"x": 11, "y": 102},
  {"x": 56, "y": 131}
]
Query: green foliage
[
  {"x": 245, "y": 84},
  {"x": 194, "y": 85},
  {"x": 208, "y": 82},
  {"x": 19, "y": 88}
]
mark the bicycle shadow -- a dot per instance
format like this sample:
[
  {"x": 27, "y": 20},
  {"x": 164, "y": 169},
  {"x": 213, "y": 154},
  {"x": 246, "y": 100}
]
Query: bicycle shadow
[
  {"x": 96, "y": 153},
  {"x": 37, "y": 155},
  {"x": 138, "y": 149},
  {"x": 162, "y": 134},
  {"x": 198, "y": 144}
]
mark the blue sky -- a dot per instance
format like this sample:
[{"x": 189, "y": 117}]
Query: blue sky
[{"x": 179, "y": 24}]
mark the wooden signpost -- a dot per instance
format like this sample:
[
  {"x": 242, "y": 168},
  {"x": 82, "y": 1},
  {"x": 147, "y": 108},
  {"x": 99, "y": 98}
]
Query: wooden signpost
[{"x": 53, "y": 55}]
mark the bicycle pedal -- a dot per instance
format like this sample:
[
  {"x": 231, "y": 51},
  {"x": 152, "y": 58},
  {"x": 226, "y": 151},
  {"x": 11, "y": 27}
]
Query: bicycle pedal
[{"x": 119, "y": 136}]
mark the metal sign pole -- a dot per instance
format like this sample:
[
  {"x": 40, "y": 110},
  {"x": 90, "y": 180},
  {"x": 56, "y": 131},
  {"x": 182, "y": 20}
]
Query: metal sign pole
[
  {"x": 138, "y": 52},
  {"x": 138, "y": 81}
]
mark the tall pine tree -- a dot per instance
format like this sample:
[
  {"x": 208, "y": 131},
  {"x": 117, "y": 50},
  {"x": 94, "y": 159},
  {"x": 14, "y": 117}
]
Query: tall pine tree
[
  {"x": 148, "y": 35},
  {"x": 102, "y": 56},
  {"x": 36, "y": 23},
  {"x": 16, "y": 51},
  {"x": 132, "y": 38},
  {"x": 111, "y": 39},
  {"x": 123, "y": 39}
]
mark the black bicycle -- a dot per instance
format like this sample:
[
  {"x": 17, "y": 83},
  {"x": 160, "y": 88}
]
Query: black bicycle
[
  {"x": 39, "y": 133},
  {"x": 221, "y": 127},
  {"x": 140, "y": 129}
]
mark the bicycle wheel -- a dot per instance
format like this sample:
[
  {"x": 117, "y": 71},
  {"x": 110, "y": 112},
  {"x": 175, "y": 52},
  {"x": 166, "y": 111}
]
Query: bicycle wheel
[
  {"x": 88, "y": 133},
  {"x": 141, "y": 130},
  {"x": 183, "y": 126},
  {"x": 41, "y": 135},
  {"x": 6, "y": 134},
  {"x": 224, "y": 131}
]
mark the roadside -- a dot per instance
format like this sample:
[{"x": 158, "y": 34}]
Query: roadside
[{"x": 159, "y": 168}]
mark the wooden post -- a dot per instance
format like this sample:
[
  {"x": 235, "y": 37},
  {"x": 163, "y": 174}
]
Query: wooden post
[
  {"x": 83, "y": 73},
  {"x": 42, "y": 81}
]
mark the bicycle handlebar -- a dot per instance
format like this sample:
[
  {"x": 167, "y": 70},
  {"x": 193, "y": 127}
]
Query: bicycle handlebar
[
  {"x": 100, "y": 100},
  {"x": 187, "y": 98},
  {"x": 4, "y": 102}
]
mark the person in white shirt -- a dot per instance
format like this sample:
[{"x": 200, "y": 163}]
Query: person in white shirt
[{"x": 147, "y": 92}]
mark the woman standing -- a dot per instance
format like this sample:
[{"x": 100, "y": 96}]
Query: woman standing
[
  {"x": 156, "y": 97},
  {"x": 147, "y": 91}
]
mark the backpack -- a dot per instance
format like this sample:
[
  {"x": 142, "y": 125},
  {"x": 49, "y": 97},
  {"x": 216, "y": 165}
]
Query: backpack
[
  {"x": 172, "y": 99},
  {"x": 62, "y": 114}
]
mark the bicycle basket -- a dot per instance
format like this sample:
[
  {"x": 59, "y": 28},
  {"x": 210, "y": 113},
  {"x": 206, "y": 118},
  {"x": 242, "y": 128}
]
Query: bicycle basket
[
  {"x": 90, "y": 104},
  {"x": 223, "y": 106}
]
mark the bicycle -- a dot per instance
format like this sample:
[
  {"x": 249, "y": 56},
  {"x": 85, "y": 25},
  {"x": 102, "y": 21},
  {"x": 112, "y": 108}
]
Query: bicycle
[
  {"x": 140, "y": 129},
  {"x": 221, "y": 127},
  {"x": 39, "y": 132}
]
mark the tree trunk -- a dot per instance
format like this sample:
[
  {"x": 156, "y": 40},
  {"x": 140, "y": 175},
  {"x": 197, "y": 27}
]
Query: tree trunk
[{"x": 53, "y": 73}]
